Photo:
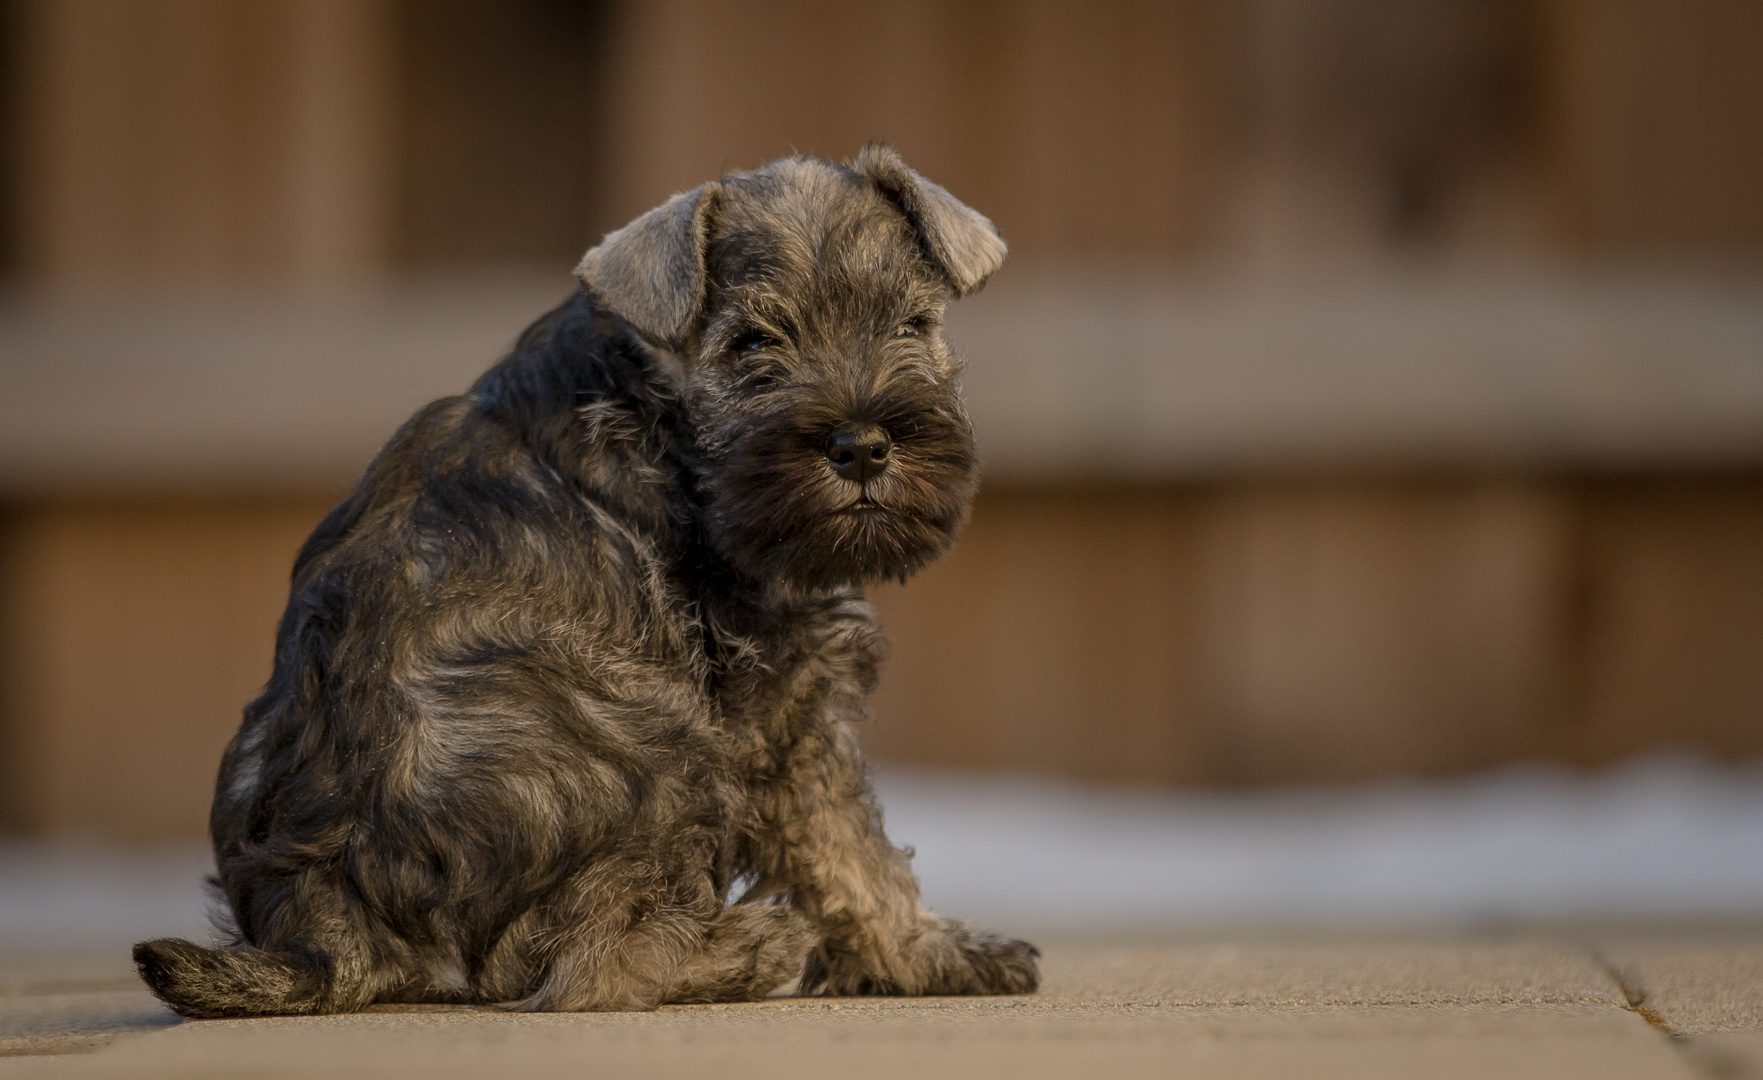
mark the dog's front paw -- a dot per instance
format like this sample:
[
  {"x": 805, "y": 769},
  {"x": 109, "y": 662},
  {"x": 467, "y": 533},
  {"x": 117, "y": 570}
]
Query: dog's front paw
[
  {"x": 835, "y": 972},
  {"x": 947, "y": 959},
  {"x": 999, "y": 966}
]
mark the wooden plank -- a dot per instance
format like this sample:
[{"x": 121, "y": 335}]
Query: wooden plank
[
  {"x": 1059, "y": 637},
  {"x": 1248, "y": 634},
  {"x": 135, "y": 633},
  {"x": 1081, "y": 133},
  {"x": 205, "y": 140},
  {"x": 1673, "y": 621},
  {"x": 1650, "y": 118},
  {"x": 1363, "y": 629}
]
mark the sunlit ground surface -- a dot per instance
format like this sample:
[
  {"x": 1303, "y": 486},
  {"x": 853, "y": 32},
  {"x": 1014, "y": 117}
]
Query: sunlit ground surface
[{"x": 1668, "y": 838}]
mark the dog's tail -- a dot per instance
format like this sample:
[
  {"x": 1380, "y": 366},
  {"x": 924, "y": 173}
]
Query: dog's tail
[{"x": 204, "y": 983}]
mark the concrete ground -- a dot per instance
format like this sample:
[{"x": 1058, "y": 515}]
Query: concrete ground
[
  {"x": 1521, "y": 924},
  {"x": 1608, "y": 1002}
]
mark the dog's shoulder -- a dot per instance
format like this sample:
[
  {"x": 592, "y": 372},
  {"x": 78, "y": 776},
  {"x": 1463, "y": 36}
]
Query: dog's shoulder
[{"x": 566, "y": 435}]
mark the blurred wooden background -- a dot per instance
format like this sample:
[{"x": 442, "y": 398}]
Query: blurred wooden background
[{"x": 1217, "y": 623}]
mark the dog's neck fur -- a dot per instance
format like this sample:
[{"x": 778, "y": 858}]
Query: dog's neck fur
[{"x": 583, "y": 378}]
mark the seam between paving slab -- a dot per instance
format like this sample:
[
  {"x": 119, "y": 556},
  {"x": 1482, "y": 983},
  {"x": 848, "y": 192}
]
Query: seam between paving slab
[
  {"x": 1695, "y": 1054},
  {"x": 1633, "y": 994}
]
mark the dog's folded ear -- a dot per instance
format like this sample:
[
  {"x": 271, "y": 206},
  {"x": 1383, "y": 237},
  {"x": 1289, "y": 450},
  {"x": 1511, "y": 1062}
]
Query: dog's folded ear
[
  {"x": 955, "y": 237},
  {"x": 651, "y": 272}
]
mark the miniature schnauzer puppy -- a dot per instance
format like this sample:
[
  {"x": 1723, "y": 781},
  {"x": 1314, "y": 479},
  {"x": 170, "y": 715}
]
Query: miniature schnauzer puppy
[{"x": 562, "y": 708}]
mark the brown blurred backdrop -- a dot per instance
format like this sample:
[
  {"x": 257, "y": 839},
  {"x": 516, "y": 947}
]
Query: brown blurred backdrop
[{"x": 1376, "y": 387}]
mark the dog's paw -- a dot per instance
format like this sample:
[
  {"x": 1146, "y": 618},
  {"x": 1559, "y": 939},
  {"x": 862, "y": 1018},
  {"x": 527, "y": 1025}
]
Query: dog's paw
[
  {"x": 830, "y": 972},
  {"x": 948, "y": 960},
  {"x": 1001, "y": 965}
]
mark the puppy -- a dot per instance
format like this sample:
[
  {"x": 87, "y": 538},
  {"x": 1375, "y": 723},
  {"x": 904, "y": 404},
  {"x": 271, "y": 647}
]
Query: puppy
[{"x": 562, "y": 705}]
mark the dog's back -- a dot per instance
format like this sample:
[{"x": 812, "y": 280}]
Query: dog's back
[{"x": 471, "y": 639}]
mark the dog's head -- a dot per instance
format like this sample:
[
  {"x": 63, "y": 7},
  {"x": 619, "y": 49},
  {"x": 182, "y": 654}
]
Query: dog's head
[{"x": 806, "y": 300}]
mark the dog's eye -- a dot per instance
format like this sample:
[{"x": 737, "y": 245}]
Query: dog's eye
[
  {"x": 907, "y": 329},
  {"x": 762, "y": 376},
  {"x": 753, "y": 341}
]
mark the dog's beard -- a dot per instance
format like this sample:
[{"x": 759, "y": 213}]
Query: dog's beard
[{"x": 778, "y": 512}]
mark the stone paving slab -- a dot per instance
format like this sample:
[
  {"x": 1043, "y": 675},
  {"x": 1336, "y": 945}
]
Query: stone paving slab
[
  {"x": 1245, "y": 1004},
  {"x": 1278, "y": 970},
  {"x": 52, "y": 1003},
  {"x": 49, "y": 972},
  {"x": 1697, "y": 981},
  {"x": 1264, "y": 1003},
  {"x": 68, "y": 1022},
  {"x": 1735, "y": 1056},
  {"x": 785, "y": 1039}
]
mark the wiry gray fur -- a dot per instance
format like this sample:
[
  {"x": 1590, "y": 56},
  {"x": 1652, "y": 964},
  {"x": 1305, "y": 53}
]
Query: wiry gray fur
[{"x": 562, "y": 708}]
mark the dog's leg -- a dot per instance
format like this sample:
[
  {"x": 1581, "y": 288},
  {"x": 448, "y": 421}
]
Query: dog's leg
[
  {"x": 602, "y": 968},
  {"x": 750, "y": 950},
  {"x": 826, "y": 847},
  {"x": 673, "y": 957},
  {"x": 617, "y": 936}
]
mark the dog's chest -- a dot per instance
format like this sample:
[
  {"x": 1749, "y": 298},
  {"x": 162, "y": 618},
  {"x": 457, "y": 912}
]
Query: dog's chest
[{"x": 793, "y": 671}]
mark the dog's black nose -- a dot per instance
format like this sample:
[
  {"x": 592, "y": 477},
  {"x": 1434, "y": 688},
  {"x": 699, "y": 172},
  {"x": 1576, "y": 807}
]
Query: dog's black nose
[{"x": 859, "y": 452}]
